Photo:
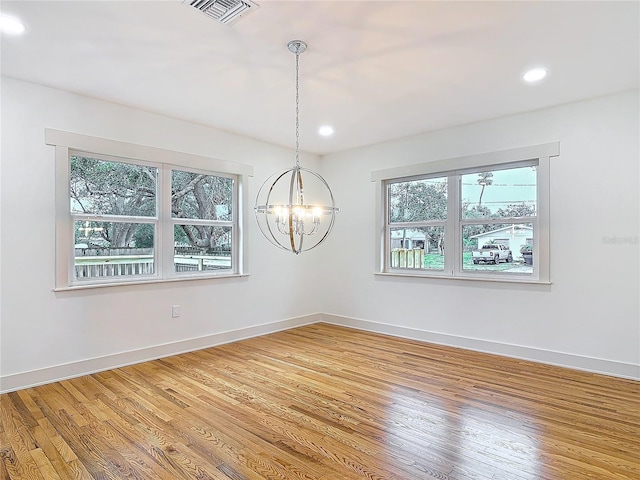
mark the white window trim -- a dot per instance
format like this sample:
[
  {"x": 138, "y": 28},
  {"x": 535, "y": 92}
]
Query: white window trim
[
  {"x": 67, "y": 142},
  {"x": 455, "y": 166}
]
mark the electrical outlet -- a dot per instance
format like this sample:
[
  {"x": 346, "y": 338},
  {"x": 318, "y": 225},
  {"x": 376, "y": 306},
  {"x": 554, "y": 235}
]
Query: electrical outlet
[{"x": 175, "y": 311}]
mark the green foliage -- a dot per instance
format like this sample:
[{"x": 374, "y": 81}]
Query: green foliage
[
  {"x": 143, "y": 237},
  {"x": 198, "y": 196},
  {"x": 526, "y": 248},
  {"x": 418, "y": 200},
  {"x": 486, "y": 178},
  {"x": 435, "y": 238},
  {"x": 469, "y": 243},
  {"x": 477, "y": 212},
  {"x": 103, "y": 187},
  {"x": 423, "y": 200},
  {"x": 204, "y": 197},
  {"x": 517, "y": 210},
  {"x": 112, "y": 188},
  {"x": 179, "y": 237}
]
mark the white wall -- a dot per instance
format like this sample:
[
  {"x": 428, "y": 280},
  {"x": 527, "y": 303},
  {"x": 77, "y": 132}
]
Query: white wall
[
  {"x": 588, "y": 318},
  {"x": 66, "y": 333}
]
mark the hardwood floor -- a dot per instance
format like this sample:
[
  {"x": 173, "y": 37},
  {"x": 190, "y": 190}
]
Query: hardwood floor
[{"x": 327, "y": 403}]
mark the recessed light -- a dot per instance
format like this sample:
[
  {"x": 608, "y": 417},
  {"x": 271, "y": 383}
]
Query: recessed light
[
  {"x": 326, "y": 130},
  {"x": 11, "y": 25},
  {"x": 535, "y": 75}
]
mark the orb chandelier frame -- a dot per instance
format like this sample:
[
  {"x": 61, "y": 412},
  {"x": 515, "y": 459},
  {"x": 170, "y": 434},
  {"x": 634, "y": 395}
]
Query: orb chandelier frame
[{"x": 284, "y": 215}]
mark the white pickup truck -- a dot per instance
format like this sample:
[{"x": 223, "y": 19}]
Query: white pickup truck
[{"x": 492, "y": 253}]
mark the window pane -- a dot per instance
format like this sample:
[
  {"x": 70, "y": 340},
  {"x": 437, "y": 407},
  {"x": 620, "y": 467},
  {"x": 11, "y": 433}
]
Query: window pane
[
  {"x": 112, "y": 188},
  {"x": 497, "y": 248},
  {"x": 499, "y": 193},
  {"x": 203, "y": 197},
  {"x": 201, "y": 247},
  {"x": 418, "y": 200},
  {"x": 417, "y": 248},
  {"x": 109, "y": 249}
]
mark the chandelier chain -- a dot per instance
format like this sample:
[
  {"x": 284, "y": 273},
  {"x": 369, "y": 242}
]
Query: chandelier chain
[{"x": 297, "y": 109}]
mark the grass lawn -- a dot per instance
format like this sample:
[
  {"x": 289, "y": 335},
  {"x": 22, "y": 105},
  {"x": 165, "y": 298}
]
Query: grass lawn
[{"x": 433, "y": 261}]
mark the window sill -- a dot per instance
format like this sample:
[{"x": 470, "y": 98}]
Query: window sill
[
  {"x": 72, "y": 288},
  {"x": 474, "y": 278}
]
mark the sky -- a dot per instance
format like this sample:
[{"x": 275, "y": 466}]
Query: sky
[{"x": 509, "y": 186}]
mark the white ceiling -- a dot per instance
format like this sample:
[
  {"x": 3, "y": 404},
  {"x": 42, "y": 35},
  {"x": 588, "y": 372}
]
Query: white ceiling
[{"x": 375, "y": 70}]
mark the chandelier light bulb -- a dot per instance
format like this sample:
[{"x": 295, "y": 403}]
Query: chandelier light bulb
[{"x": 284, "y": 215}]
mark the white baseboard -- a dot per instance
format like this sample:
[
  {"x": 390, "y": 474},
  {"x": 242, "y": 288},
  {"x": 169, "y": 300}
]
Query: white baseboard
[
  {"x": 56, "y": 373},
  {"x": 568, "y": 360}
]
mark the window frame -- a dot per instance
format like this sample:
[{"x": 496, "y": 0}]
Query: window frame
[
  {"x": 67, "y": 144},
  {"x": 453, "y": 168}
]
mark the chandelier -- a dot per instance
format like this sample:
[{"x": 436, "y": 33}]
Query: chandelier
[{"x": 292, "y": 213}]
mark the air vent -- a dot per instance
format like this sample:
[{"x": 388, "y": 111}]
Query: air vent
[{"x": 224, "y": 11}]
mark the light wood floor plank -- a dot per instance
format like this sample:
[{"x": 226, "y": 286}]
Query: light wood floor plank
[{"x": 323, "y": 402}]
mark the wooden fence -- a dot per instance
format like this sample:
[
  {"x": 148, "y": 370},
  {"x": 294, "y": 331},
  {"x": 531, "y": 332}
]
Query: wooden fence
[
  {"x": 407, "y": 258},
  {"x": 193, "y": 263},
  {"x": 113, "y": 265},
  {"x": 98, "y": 266}
]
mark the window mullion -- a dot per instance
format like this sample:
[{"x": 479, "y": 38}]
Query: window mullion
[
  {"x": 429, "y": 223},
  {"x": 494, "y": 221},
  {"x": 111, "y": 218},
  {"x": 197, "y": 221}
]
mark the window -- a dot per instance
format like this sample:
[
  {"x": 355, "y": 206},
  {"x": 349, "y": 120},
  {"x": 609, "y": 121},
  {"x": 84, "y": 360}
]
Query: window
[
  {"x": 130, "y": 214},
  {"x": 202, "y": 209},
  {"x": 482, "y": 217}
]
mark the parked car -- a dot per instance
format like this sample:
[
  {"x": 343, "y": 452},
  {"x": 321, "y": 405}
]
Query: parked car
[{"x": 492, "y": 253}]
